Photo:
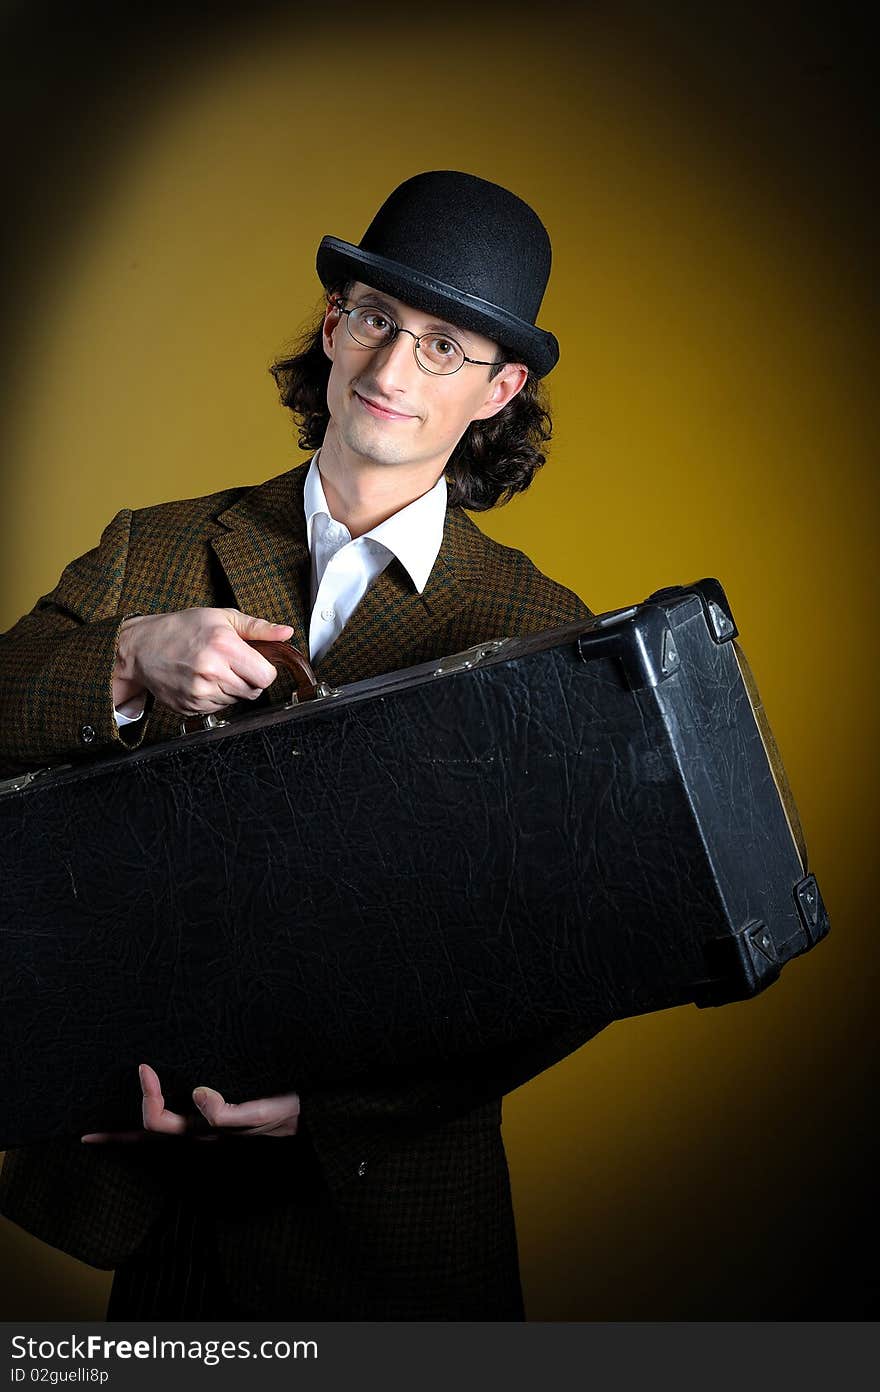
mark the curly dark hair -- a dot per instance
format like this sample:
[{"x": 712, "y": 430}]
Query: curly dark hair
[{"x": 493, "y": 460}]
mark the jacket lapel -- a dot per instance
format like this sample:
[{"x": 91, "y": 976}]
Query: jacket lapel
[
  {"x": 262, "y": 545},
  {"x": 394, "y": 624}
]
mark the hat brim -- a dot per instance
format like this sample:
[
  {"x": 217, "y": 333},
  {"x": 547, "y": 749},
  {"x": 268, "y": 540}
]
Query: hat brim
[{"x": 338, "y": 261}]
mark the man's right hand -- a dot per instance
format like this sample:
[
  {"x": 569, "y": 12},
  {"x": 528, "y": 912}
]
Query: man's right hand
[{"x": 195, "y": 661}]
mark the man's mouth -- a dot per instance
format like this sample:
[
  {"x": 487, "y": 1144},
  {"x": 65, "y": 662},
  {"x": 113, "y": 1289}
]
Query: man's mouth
[{"x": 383, "y": 412}]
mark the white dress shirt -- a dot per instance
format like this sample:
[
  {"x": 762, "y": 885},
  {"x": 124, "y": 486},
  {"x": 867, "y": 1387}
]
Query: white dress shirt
[{"x": 344, "y": 568}]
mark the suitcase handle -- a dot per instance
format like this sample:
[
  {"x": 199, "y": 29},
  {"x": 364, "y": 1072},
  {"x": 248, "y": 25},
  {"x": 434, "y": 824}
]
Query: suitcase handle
[
  {"x": 280, "y": 655},
  {"x": 287, "y": 656}
]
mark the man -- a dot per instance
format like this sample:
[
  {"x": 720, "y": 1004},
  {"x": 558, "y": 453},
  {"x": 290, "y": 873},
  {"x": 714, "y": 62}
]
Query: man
[{"x": 418, "y": 392}]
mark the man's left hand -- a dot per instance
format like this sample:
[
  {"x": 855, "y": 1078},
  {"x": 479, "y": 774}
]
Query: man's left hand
[{"x": 264, "y": 1116}]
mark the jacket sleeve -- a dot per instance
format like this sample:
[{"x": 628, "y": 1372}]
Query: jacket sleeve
[{"x": 56, "y": 664}]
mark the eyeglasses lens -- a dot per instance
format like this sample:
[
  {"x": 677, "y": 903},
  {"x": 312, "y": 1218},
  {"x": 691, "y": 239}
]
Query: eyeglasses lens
[
  {"x": 439, "y": 354},
  {"x": 435, "y": 352}
]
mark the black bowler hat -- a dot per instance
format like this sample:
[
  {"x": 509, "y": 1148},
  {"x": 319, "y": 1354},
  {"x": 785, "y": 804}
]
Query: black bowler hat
[{"x": 457, "y": 246}]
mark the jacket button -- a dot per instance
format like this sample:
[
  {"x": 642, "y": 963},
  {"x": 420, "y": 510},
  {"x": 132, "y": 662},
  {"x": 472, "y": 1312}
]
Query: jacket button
[
  {"x": 362, "y": 1169},
  {"x": 87, "y": 734}
]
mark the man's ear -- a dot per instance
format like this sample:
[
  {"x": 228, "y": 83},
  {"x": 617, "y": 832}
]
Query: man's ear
[
  {"x": 332, "y": 320},
  {"x": 502, "y": 389}
]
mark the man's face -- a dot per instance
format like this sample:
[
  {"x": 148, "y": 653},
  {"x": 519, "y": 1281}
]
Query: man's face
[{"x": 386, "y": 408}]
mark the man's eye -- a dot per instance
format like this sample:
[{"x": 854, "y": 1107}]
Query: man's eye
[
  {"x": 443, "y": 347},
  {"x": 375, "y": 320}
]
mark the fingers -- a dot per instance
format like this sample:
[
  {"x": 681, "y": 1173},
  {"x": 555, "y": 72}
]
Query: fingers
[
  {"x": 156, "y": 1116},
  {"x": 230, "y": 667},
  {"x": 246, "y": 626},
  {"x": 268, "y": 1116},
  {"x": 102, "y": 1136},
  {"x": 248, "y": 674},
  {"x": 235, "y": 669},
  {"x": 248, "y": 664},
  {"x": 198, "y": 660},
  {"x": 277, "y": 1116}
]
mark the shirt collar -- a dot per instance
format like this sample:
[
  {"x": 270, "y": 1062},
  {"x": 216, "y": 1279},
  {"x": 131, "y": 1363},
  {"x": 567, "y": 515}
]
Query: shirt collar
[{"x": 413, "y": 534}]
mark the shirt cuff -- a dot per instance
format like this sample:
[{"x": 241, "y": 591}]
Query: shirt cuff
[{"x": 123, "y": 715}]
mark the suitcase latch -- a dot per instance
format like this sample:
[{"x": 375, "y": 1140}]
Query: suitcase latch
[
  {"x": 321, "y": 692},
  {"x": 463, "y": 661},
  {"x": 24, "y": 780},
  {"x": 195, "y": 724}
]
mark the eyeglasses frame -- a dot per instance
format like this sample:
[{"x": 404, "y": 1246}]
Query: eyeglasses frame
[{"x": 339, "y": 305}]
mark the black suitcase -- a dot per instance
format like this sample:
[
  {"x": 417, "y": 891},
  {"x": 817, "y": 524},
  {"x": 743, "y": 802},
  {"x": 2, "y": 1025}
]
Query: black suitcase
[{"x": 538, "y": 835}]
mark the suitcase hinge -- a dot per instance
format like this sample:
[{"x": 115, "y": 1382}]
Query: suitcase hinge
[
  {"x": 22, "y": 780},
  {"x": 463, "y": 661}
]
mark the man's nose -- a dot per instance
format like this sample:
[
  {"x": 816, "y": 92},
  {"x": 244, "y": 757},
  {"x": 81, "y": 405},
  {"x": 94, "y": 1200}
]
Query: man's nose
[{"x": 394, "y": 364}]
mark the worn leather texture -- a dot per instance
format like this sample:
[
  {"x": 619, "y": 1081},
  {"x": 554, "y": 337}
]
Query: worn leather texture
[{"x": 419, "y": 871}]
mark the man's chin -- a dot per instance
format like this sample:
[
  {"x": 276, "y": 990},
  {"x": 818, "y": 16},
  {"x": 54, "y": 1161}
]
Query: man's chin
[{"x": 371, "y": 446}]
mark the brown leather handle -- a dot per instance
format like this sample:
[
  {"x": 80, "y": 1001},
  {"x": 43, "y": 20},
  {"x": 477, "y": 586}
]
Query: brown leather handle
[
  {"x": 280, "y": 655},
  {"x": 286, "y": 655}
]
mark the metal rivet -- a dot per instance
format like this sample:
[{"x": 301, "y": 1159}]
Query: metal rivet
[
  {"x": 362, "y": 1169},
  {"x": 87, "y": 733}
]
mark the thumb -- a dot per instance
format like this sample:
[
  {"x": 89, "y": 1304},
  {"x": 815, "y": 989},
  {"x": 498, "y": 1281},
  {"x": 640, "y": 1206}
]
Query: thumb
[
  {"x": 207, "y": 1098},
  {"x": 246, "y": 626}
]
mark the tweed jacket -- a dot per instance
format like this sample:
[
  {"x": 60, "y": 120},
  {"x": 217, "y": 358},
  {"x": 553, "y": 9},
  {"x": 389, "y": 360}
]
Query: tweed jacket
[{"x": 413, "y": 1179}]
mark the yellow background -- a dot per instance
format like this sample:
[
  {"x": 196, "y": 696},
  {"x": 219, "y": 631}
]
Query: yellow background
[{"x": 713, "y": 416}]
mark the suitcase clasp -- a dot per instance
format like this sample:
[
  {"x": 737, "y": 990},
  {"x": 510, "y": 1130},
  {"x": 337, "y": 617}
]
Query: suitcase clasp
[
  {"x": 463, "y": 661},
  {"x": 194, "y": 724},
  {"x": 24, "y": 780}
]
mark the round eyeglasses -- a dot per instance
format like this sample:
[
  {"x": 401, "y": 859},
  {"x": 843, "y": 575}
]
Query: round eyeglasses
[{"x": 435, "y": 352}]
